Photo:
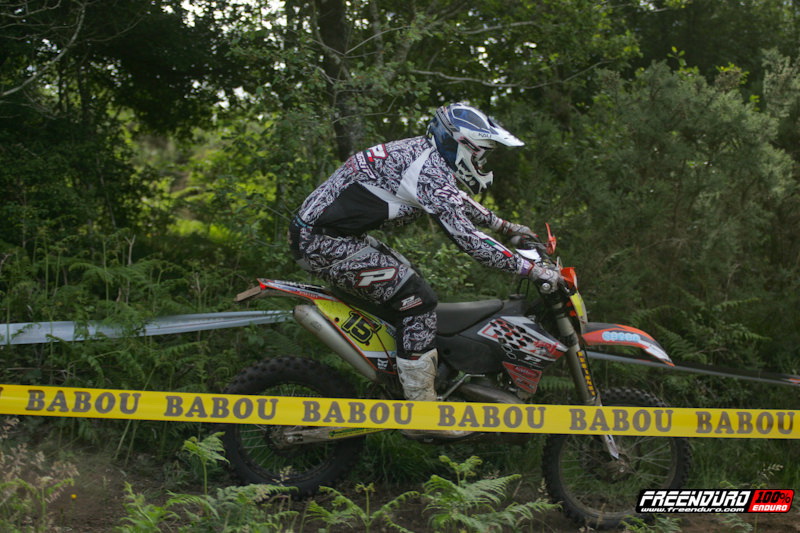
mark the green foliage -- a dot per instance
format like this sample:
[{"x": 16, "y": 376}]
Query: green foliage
[
  {"x": 474, "y": 505},
  {"x": 714, "y": 32},
  {"x": 764, "y": 478},
  {"x": 343, "y": 511},
  {"x": 683, "y": 176},
  {"x": 734, "y": 523},
  {"x": 207, "y": 452},
  {"x": 389, "y": 458},
  {"x": 88, "y": 58},
  {"x": 143, "y": 516},
  {"x": 57, "y": 180},
  {"x": 231, "y": 509},
  {"x": 108, "y": 282},
  {"x": 447, "y": 269},
  {"x": 262, "y": 508},
  {"x": 710, "y": 334},
  {"x": 748, "y": 464},
  {"x": 680, "y": 205},
  {"x": 699, "y": 332},
  {"x": 70, "y": 74},
  {"x": 661, "y": 524},
  {"x": 464, "y": 503},
  {"x": 662, "y": 144},
  {"x": 28, "y": 484},
  {"x": 453, "y": 505}
]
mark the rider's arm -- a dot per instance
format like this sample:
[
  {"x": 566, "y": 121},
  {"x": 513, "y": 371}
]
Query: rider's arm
[
  {"x": 478, "y": 214},
  {"x": 452, "y": 215},
  {"x": 484, "y": 217},
  {"x": 435, "y": 192}
]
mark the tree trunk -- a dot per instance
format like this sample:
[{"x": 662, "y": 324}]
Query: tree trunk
[{"x": 334, "y": 34}]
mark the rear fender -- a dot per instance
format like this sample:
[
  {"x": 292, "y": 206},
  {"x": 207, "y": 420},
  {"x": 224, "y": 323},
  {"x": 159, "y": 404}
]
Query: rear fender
[
  {"x": 599, "y": 334},
  {"x": 292, "y": 289}
]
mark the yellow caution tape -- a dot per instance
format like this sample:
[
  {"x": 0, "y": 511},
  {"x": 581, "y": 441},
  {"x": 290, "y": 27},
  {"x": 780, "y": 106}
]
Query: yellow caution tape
[{"x": 391, "y": 414}]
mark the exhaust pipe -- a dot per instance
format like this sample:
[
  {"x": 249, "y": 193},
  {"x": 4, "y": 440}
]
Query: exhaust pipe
[
  {"x": 310, "y": 318},
  {"x": 481, "y": 393}
]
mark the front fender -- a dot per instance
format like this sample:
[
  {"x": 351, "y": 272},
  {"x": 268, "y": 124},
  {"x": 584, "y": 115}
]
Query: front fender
[{"x": 599, "y": 334}]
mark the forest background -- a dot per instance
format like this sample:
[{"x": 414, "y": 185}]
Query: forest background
[{"x": 152, "y": 153}]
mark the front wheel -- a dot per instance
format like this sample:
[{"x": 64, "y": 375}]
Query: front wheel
[
  {"x": 263, "y": 453},
  {"x": 599, "y": 491}
]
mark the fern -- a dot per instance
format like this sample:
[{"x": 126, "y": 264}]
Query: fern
[
  {"x": 701, "y": 332},
  {"x": 344, "y": 511},
  {"x": 247, "y": 508},
  {"x": 143, "y": 516},
  {"x": 660, "y": 524},
  {"x": 208, "y": 451},
  {"x": 473, "y": 505},
  {"x": 679, "y": 347},
  {"x": 556, "y": 384},
  {"x": 282, "y": 343}
]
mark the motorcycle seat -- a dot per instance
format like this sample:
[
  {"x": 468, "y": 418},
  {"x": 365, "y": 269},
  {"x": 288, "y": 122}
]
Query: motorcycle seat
[{"x": 456, "y": 317}]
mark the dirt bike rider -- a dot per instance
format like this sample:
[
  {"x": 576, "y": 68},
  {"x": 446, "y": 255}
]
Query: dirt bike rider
[{"x": 391, "y": 184}]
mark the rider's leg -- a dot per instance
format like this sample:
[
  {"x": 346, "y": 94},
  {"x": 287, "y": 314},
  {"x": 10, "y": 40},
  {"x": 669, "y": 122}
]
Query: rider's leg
[
  {"x": 417, "y": 362},
  {"x": 374, "y": 272}
]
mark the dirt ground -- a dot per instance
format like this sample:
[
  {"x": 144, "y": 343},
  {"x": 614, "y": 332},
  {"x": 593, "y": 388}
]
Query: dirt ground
[{"x": 95, "y": 504}]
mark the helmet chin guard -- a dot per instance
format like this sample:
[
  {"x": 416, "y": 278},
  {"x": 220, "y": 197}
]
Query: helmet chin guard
[{"x": 464, "y": 136}]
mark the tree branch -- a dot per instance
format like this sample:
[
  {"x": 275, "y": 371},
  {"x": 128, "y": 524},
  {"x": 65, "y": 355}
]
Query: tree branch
[
  {"x": 460, "y": 79},
  {"x": 18, "y": 13},
  {"x": 47, "y": 65},
  {"x": 498, "y": 27}
]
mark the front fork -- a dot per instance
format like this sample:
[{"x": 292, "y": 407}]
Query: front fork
[{"x": 578, "y": 365}]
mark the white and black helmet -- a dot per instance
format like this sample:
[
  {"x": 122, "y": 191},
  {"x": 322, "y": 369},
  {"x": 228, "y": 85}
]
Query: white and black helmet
[{"x": 464, "y": 136}]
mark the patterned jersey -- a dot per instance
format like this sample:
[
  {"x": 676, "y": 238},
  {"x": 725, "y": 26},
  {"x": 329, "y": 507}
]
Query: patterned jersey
[{"x": 394, "y": 183}]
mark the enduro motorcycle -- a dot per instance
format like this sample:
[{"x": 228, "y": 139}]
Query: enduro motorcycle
[{"x": 489, "y": 351}]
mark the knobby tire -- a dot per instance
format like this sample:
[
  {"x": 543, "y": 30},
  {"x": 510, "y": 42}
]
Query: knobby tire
[
  {"x": 580, "y": 474},
  {"x": 256, "y": 453}
]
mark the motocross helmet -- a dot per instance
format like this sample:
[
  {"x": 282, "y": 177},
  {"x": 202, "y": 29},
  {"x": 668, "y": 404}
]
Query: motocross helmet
[{"x": 464, "y": 136}]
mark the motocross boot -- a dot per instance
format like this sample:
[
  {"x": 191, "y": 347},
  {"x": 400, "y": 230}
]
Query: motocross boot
[{"x": 417, "y": 377}]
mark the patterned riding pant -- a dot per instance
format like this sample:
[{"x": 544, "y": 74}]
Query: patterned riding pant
[{"x": 382, "y": 278}]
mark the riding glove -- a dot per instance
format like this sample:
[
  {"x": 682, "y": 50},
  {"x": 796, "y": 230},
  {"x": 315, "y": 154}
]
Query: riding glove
[
  {"x": 547, "y": 278},
  {"x": 510, "y": 228}
]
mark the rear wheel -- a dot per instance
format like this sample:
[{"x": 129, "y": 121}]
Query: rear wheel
[
  {"x": 599, "y": 491},
  {"x": 263, "y": 454}
]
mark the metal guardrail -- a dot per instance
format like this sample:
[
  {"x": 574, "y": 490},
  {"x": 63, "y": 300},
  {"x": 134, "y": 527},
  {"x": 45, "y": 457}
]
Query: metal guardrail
[
  {"x": 43, "y": 332},
  {"x": 760, "y": 376}
]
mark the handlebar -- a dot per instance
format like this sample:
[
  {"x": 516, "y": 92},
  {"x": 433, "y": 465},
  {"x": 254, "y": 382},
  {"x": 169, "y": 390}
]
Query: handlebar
[
  {"x": 537, "y": 254},
  {"x": 525, "y": 242},
  {"x": 537, "y": 251}
]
